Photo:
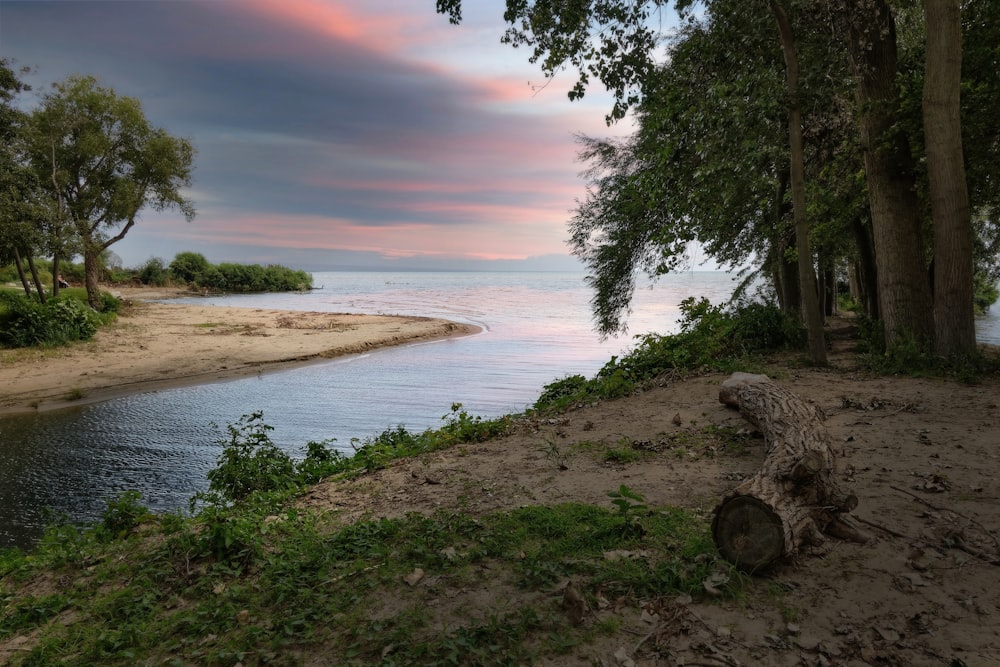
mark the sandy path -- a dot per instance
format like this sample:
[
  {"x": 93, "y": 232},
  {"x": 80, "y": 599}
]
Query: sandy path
[{"x": 157, "y": 345}]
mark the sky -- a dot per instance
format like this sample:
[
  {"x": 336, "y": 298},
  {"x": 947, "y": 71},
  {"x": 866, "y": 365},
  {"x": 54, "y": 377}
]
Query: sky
[{"x": 333, "y": 134}]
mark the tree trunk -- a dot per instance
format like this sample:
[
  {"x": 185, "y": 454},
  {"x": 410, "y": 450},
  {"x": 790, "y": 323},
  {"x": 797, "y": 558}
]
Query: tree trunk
[
  {"x": 92, "y": 277},
  {"x": 794, "y": 498},
  {"x": 811, "y": 315},
  {"x": 21, "y": 274},
  {"x": 35, "y": 279},
  {"x": 954, "y": 315},
  {"x": 904, "y": 289},
  {"x": 789, "y": 295},
  {"x": 867, "y": 270}
]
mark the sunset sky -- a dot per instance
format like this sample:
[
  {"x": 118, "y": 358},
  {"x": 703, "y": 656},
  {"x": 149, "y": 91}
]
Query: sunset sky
[{"x": 333, "y": 133}]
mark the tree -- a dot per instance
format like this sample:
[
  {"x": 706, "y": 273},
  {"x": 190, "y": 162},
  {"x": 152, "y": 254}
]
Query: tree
[
  {"x": 19, "y": 232},
  {"x": 613, "y": 41},
  {"x": 807, "y": 278},
  {"x": 705, "y": 164},
  {"x": 103, "y": 163},
  {"x": 954, "y": 325}
]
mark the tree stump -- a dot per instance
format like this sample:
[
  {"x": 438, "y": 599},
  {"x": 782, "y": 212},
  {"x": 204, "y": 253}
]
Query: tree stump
[{"x": 794, "y": 498}]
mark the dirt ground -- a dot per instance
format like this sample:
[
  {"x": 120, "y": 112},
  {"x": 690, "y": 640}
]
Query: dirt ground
[{"x": 921, "y": 455}]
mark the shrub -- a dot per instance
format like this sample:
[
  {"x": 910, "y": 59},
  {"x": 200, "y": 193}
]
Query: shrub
[
  {"x": 188, "y": 267},
  {"x": 250, "y": 462},
  {"x": 121, "y": 517},
  {"x": 710, "y": 336},
  {"x": 58, "y": 321},
  {"x": 154, "y": 272}
]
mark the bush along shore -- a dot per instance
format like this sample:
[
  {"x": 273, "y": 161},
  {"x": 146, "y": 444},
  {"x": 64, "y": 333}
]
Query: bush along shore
[
  {"x": 37, "y": 319},
  {"x": 391, "y": 556}
]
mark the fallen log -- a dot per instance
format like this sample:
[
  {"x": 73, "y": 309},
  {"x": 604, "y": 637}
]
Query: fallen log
[{"x": 794, "y": 499}]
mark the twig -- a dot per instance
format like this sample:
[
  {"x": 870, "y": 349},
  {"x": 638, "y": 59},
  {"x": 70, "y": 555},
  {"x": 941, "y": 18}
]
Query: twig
[
  {"x": 880, "y": 527},
  {"x": 945, "y": 509}
]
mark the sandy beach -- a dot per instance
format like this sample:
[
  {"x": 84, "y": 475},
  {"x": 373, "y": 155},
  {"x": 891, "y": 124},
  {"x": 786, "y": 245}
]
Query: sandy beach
[{"x": 158, "y": 345}]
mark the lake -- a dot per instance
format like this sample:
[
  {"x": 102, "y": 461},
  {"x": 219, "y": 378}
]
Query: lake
[{"x": 536, "y": 328}]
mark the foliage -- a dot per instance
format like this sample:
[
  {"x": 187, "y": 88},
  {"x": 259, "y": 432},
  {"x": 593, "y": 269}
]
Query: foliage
[
  {"x": 907, "y": 356},
  {"x": 154, "y": 272},
  {"x": 122, "y": 516},
  {"x": 102, "y": 163},
  {"x": 716, "y": 337},
  {"x": 253, "y": 585},
  {"x": 187, "y": 267},
  {"x": 250, "y": 462},
  {"x": 25, "y": 322},
  {"x": 193, "y": 269}
]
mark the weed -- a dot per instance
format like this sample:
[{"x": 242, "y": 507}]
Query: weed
[
  {"x": 623, "y": 497},
  {"x": 122, "y": 516},
  {"x": 554, "y": 454},
  {"x": 75, "y": 394}
]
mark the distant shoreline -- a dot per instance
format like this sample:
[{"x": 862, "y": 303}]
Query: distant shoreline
[{"x": 154, "y": 346}]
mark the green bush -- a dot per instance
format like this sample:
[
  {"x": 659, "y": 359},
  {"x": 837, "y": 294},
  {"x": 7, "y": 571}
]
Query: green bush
[
  {"x": 154, "y": 272},
  {"x": 187, "y": 267},
  {"x": 58, "y": 321},
  {"x": 720, "y": 337},
  {"x": 250, "y": 462},
  {"x": 121, "y": 517},
  {"x": 193, "y": 269}
]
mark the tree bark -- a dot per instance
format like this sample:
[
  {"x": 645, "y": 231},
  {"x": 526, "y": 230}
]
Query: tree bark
[
  {"x": 21, "y": 274},
  {"x": 811, "y": 315},
  {"x": 904, "y": 289},
  {"x": 954, "y": 315},
  {"x": 35, "y": 279},
  {"x": 92, "y": 277},
  {"x": 794, "y": 498},
  {"x": 867, "y": 269}
]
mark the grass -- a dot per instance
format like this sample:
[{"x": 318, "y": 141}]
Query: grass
[
  {"x": 251, "y": 578},
  {"x": 287, "y": 584},
  {"x": 75, "y": 394}
]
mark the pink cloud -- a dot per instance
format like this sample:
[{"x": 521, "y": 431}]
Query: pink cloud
[{"x": 524, "y": 235}]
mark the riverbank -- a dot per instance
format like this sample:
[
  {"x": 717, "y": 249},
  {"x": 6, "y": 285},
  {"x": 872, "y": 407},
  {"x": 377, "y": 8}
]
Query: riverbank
[
  {"x": 411, "y": 560},
  {"x": 155, "y": 345}
]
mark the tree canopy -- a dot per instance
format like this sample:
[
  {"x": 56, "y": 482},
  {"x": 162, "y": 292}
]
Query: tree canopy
[
  {"x": 714, "y": 114},
  {"x": 103, "y": 163}
]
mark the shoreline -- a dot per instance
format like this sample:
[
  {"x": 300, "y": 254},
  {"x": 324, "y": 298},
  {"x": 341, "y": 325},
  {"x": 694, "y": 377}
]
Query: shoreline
[{"x": 154, "y": 346}]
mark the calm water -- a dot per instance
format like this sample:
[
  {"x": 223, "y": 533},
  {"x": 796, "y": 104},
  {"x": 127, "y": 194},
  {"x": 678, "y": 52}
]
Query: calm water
[{"x": 536, "y": 328}]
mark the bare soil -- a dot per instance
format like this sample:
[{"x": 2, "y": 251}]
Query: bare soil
[{"x": 920, "y": 454}]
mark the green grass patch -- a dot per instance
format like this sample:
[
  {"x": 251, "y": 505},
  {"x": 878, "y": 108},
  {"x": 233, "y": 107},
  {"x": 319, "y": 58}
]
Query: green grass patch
[{"x": 160, "y": 591}]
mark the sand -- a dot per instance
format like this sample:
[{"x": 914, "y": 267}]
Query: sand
[
  {"x": 155, "y": 345},
  {"x": 921, "y": 455}
]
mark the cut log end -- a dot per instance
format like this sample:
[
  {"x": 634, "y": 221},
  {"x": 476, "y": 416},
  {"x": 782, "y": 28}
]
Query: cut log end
[{"x": 748, "y": 533}]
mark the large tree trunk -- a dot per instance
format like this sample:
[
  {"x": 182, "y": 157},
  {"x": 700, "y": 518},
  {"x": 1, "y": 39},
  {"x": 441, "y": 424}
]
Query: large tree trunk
[
  {"x": 794, "y": 498},
  {"x": 954, "y": 317},
  {"x": 786, "y": 270},
  {"x": 811, "y": 315},
  {"x": 92, "y": 277},
  {"x": 904, "y": 289}
]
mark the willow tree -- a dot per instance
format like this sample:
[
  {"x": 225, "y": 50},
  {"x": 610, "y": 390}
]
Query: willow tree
[
  {"x": 612, "y": 41},
  {"x": 708, "y": 163},
  {"x": 103, "y": 163}
]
